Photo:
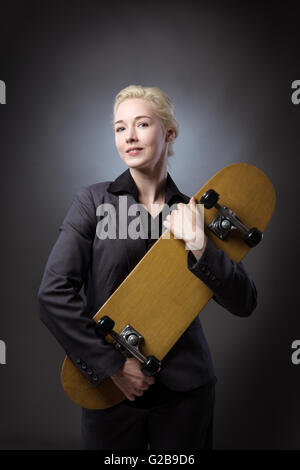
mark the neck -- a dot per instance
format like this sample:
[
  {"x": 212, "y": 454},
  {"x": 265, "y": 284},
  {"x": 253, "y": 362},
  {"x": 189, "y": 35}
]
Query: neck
[{"x": 151, "y": 183}]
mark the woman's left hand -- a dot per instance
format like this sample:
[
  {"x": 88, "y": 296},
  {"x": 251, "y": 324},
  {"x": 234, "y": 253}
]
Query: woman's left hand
[{"x": 186, "y": 222}]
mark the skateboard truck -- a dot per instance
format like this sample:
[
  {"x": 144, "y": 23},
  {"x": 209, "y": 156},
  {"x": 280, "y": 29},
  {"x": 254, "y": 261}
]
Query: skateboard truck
[
  {"x": 127, "y": 342},
  {"x": 226, "y": 220}
]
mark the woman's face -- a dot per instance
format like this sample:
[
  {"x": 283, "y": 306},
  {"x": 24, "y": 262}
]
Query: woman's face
[{"x": 137, "y": 126}]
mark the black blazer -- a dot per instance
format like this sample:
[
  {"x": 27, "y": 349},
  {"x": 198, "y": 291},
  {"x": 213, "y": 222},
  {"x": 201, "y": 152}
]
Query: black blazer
[{"x": 80, "y": 259}]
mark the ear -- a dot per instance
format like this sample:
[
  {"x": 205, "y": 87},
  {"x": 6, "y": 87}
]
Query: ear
[{"x": 170, "y": 135}]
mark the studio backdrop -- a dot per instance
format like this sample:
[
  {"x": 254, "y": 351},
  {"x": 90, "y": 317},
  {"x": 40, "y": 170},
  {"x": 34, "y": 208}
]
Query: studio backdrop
[{"x": 232, "y": 71}]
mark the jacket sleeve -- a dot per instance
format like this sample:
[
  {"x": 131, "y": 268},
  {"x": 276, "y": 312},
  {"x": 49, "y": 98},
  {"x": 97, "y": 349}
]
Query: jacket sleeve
[
  {"x": 61, "y": 307},
  {"x": 232, "y": 287}
]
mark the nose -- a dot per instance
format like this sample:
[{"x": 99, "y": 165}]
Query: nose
[{"x": 131, "y": 135}]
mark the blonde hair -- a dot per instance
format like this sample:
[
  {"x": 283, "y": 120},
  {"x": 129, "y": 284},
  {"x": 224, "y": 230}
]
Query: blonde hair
[{"x": 161, "y": 101}]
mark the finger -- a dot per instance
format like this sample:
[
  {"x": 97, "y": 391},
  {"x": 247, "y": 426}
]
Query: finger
[
  {"x": 192, "y": 204},
  {"x": 130, "y": 396},
  {"x": 145, "y": 386},
  {"x": 150, "y": 380},
  {"x": 167, "y": 226}
]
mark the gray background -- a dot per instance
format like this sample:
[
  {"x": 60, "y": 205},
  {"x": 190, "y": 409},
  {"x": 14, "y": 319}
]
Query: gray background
[{"x": 229, "y": 70}]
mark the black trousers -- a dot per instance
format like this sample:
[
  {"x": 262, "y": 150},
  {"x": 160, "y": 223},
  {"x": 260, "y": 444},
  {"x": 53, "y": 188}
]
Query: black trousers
[{"x": 160, "y": 419}]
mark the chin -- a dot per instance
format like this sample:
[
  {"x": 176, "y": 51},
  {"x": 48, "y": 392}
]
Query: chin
[
  {"x": 137, "y": 165},
  {"x": 135, "y": 162}
]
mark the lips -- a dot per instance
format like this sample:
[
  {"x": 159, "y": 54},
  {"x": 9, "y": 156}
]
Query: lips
[{"x": 133, "y": 148}]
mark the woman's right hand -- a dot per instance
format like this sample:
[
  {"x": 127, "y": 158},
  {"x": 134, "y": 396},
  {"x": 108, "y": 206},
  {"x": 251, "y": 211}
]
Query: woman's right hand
[{"x": 131, "y": 380}]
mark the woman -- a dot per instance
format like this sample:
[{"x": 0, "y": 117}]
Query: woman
[{"x": 174, "y": 410}]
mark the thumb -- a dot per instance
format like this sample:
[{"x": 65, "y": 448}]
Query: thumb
[{"x": 192, "y": 200}]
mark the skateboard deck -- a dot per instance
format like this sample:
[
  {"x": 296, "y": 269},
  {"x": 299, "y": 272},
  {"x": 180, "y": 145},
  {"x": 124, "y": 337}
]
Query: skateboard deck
[{"x": 161, "y": 297}]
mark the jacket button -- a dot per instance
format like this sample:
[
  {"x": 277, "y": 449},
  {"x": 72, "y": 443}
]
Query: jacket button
[
  {"x": 83, "y": 366},
  {"x": 212, "y": 277},
  {"x": 95, "y": 378},
  {"x": 203, "y": 267},
  {"x": 78, "y": 361},
  {"x": 90, "y": 372},
  {"x": 207, "y": 273}
]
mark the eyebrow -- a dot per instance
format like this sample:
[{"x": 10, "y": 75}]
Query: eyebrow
[{"x": 137, "y": 117}]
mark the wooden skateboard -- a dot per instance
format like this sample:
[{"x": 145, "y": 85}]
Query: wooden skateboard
[{"x": 159, "y": 299}]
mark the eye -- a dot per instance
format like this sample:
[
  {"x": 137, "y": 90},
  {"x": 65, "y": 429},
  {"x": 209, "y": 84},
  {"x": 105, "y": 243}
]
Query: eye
[
  {"x": 143, "y": 124},
  {"x": 119, "y": 128}
]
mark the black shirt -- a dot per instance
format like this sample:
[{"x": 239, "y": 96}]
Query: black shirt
[{"x": 125, "y": 184}]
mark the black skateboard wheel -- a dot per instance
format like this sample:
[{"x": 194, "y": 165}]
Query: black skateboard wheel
[
  {"x": 151, "y": 366},
  {"x": 253, "y": 237},
  {"x": 209, "y": 199},
  {"x": 104, "y": 326}
]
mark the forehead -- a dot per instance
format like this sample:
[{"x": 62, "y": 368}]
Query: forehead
[{"x": 132, "y": 107}]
